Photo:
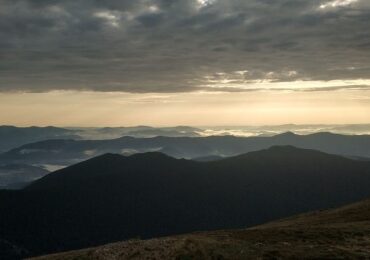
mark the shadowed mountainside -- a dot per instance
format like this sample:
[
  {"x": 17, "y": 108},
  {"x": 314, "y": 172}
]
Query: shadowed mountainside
[
  {"x": 112, "y": 198},
  {"x": 342, "y": 233}
]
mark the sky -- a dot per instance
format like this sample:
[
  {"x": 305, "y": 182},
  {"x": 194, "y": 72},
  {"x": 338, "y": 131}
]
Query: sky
[{"x": 184, "y": 62}]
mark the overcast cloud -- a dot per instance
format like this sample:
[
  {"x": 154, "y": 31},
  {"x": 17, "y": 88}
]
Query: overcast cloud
[{"x": 180, "y": 45}]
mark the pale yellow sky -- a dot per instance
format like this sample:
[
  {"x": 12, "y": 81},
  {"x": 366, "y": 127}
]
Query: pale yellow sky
[{"x": 72, "y": 108}]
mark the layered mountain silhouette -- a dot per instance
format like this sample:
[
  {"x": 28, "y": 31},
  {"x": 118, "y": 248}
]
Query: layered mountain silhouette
[
  {"x": 67, "y": 152},
  {"x": 11, "y": 136},
  {"x": 112, "y": 197}
]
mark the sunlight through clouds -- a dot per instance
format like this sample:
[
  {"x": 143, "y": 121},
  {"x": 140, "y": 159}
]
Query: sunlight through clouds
[
  {"x": 162, "y": 46},
  {"x": 163, "y": 61},
  {"x": 337, "y": 3},
  {"x": 111, "y": 18},
  {"x": 204, "y": 3}
]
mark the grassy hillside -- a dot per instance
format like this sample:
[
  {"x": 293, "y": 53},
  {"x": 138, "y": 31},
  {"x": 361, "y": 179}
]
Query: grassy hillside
[{"x": 342, "y": 233}]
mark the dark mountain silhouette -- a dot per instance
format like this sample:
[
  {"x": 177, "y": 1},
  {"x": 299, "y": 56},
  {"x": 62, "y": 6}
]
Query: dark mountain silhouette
[
  {"x": 66, "y": 152},
  {"x": 11, "y": 136},
  {"x": 341, "y": 233},
  {"x": 112, "y": 198}
]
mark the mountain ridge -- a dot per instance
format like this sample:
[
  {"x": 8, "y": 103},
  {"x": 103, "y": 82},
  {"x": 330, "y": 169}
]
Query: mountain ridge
[{"x": 67, "y": 152}]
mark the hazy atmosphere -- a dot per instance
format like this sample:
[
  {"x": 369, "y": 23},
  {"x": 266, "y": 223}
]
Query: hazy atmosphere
[{"x": 191, "y": 62}]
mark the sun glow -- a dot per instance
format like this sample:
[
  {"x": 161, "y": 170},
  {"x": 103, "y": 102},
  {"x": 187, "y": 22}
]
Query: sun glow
[
  {"x": 111, "y": 18},
  {"x": 78, "y": 108},
  {"x": 204, "y": 3},
  {"x": 337, "y": 3}
]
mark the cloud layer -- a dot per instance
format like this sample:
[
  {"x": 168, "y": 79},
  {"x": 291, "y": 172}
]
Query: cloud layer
[{"x": 180, "y": 45}]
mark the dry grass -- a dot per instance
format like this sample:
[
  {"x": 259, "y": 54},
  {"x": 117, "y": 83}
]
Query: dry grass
[{"x": 334, "y": 234}]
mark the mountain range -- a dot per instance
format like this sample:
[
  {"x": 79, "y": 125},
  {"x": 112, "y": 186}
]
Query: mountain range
[
  {"x": 112, "y": 197},
  {"x": 12, "y": 136},
  {"x": 67, "y": 152}
]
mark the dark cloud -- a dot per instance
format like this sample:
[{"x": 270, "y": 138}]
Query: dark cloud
[{"x": 179, "y": 45}]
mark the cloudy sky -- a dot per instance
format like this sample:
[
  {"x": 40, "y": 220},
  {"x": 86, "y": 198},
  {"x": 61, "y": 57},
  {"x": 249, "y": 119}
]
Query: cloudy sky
[{"x": 193, "y": 62}]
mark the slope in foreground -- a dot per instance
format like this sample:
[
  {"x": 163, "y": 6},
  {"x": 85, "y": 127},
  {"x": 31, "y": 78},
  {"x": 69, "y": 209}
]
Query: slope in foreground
[{"x": 342, "y": 233}]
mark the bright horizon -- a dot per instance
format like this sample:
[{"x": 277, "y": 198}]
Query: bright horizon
[{"x": 91, "y": 109}]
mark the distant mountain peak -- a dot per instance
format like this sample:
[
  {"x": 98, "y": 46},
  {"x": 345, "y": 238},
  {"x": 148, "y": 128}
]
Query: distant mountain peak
[
  {"x": 289, "y": 133},
  {"x": 325, "y": 134},
  {"x": 285, "y": 148},
  {"x": 109, "y": 156},
  {"x": 286, "y": 153}
]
